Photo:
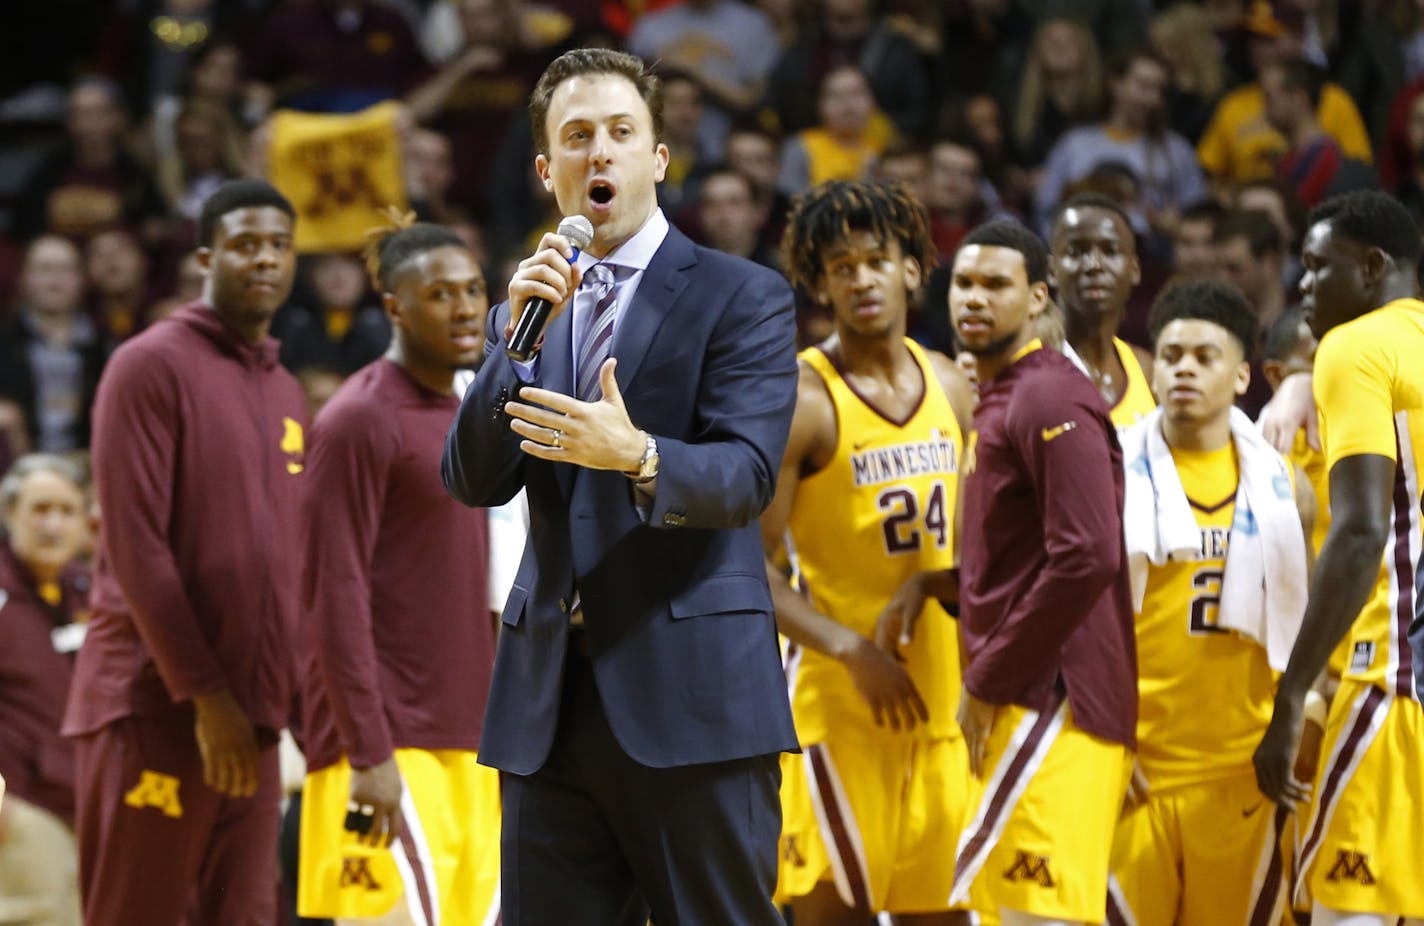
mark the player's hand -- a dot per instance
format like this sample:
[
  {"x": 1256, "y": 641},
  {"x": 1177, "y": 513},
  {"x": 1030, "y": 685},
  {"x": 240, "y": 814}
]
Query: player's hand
[
  {"x": 1290, "y": 409},
  {"x": 1312, "y": 735},
  {"x": 549, "y": 273},
  {"x": 227, "y": 743},
  {"x": 895, "y": 627},
  {"x": 1138, "y": 788},
  {"x": 378, "y": 790},
  {"x": 976, "y": 719},
  {"x": 1275, "y": 756},
  {"x": 597, "y": 435},
  {"x": 886, "y": 686}
]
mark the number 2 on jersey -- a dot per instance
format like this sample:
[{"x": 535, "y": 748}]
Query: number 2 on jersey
[
  {"x": 902, "y": 521},
  {"x": 1206, "y": 600}
]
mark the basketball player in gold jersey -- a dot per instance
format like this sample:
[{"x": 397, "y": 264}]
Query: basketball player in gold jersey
[
  {"x": 1199, "y": 844},
  {"x": 1360, "y": 849},
  {"x": 1093, "y": 267},
  {"x": 866, "y": 499}
]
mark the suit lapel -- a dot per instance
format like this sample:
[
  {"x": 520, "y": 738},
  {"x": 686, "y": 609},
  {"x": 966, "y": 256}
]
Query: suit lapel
[{"x": 662, "y": 283}]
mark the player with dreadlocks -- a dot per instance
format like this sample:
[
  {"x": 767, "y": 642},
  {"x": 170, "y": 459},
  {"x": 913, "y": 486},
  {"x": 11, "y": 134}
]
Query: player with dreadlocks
[
  {"x": 399, "y": 823},
  {"x": 866, "y": 501}
]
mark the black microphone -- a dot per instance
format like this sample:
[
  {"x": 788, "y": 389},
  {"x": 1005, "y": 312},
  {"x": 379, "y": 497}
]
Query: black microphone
[{"x": 522, "y": 343}]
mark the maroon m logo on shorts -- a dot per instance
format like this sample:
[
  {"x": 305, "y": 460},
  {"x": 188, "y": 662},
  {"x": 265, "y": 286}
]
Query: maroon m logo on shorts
[
  {"x": 1351, "y": 866},
  {"x": 1030, "y": 867},
  {"x": 356, "y": 872}
]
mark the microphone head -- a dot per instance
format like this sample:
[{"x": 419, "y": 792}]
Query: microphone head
[{"x": 577, "y": 229}]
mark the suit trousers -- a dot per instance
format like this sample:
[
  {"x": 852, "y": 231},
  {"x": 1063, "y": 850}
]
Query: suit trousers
[{"x": 593, "y": 838}]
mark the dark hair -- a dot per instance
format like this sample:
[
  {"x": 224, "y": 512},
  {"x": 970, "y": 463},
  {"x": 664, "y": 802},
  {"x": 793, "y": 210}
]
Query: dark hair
[
  {"x": 1262, "y": 234},
  {"x": 1092, "y": 201},
  {"x": 582, "y": 61},
  {"x": 1121, "y": 63},
  {"x": 721, "y": 169},
  {"x": 824, "y": 215},
  {"x": 390, "y": 248},
  {"x": 1299, "y": 74},
  {"x": 1373, "y": 219},
  {"x": 1208, "y": 300},
  {"x": 234, "y": 195},
  {"x": 1205, "y": 210},
  {"x": 1013, "y": 234},
  {"x": 1283, "y": 337},
  {"x": 1290, "y": 199}
]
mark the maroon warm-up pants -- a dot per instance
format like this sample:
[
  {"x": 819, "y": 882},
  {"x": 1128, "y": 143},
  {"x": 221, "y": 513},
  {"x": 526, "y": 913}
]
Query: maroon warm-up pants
[{"x": 158, "y": 847}]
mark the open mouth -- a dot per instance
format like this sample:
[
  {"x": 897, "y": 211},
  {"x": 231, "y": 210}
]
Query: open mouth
[{"x": 600, "y": 192}]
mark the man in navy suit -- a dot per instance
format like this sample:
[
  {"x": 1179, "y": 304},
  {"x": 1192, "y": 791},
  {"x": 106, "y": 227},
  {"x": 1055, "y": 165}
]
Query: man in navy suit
[{"x": 638, "y": 703}]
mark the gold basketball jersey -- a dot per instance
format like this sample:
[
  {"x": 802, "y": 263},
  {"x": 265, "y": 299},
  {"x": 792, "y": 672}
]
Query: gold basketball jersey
[
  {"x": 880, "y": 511},
  {"x": 1205, "y": 693},
  {"x": 1137, "y": 402},
  {"x": 1369, "y": 389}
]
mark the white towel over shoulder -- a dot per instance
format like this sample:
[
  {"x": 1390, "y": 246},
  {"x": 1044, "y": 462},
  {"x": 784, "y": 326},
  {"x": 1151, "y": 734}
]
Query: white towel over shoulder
[{"x": 1263, "y": 591}]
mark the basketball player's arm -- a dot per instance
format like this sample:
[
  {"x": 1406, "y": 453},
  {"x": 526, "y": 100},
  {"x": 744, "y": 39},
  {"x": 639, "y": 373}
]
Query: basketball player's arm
[
  {"x": 880, "y": 679},
  {"x": 1361, "y": 488},
  {"x": 1290, "y": 409},
  {"x": 348, "y": 469},
  {"x": 1352, "y": 391},
  {"x": 136, "y": 426},
  {"x": 896, "y": 625}
]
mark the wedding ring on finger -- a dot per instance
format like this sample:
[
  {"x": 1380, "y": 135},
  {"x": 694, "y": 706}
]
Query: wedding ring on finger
[{"x": 557, "y": 441}]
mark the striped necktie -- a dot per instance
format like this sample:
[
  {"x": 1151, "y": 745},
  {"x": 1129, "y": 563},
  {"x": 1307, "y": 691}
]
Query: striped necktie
[{"x": 597, "y": 341}]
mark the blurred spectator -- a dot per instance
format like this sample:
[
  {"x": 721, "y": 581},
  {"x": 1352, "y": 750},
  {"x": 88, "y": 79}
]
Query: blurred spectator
[
  {"x": 214, "y": 77},
  {"x": 1061, "y": 87},
  {"x": 444, "y": 32},
  {"x": 732, "y": 216},
  {"x": 92, "y": 181},
  {"x": 1182, "y": 34},
  {"x": 1239, "y": 144},
  {"x": 1313, "y": 165},
  {"x": 429, "y": 163},
  {"x": 1409, "y": 20},
  {"x": 188, "y": 288},
  {"x": 1409, "y": 183},
  {"x": 847, "y": 32},
  {"x": 207, "y": 150},
  {"x": 118, "y": 271},
  {"x": 45, "y": 509},
  {"x": 730, "y": 48},
  {"x": 984, "y": 45},
  {"x": 333, "y": 56},
  {"x": 905, "y": 162},
  {"x": 1361, "y": 45},
  {"x": 343, "y": 331},
  {"x": 1194, "y": 255},
  {"x": 957, "y": 196},
  {"x": 1396, "y": 157},
  {"x": 850, "y": 136},
  {"x": 687, "y": 156},
  {"x": 475, "y": 97},
  {"x": 1251, "y": 254},
  {"x": 755, "y": 151},
  {"x": 1133, "y": 134},
  {"x": 51, "y": 353},
  {"x": 785, "y": 19},
  {"x": 1278, "y": 201}
]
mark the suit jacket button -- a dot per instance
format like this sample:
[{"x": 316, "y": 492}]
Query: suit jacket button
[{"x": 674, "y": 520}]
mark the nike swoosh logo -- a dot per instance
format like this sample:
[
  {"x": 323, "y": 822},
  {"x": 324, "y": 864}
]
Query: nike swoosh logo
[
  {"x": 857, "y": 448},
  {"x": 1251, "y": 810},
  {"x": 1052, "y": 433}
]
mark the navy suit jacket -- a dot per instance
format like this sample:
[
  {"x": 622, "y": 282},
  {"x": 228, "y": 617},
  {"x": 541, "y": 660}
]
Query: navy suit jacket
[{"x": 676, "y": 607}]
